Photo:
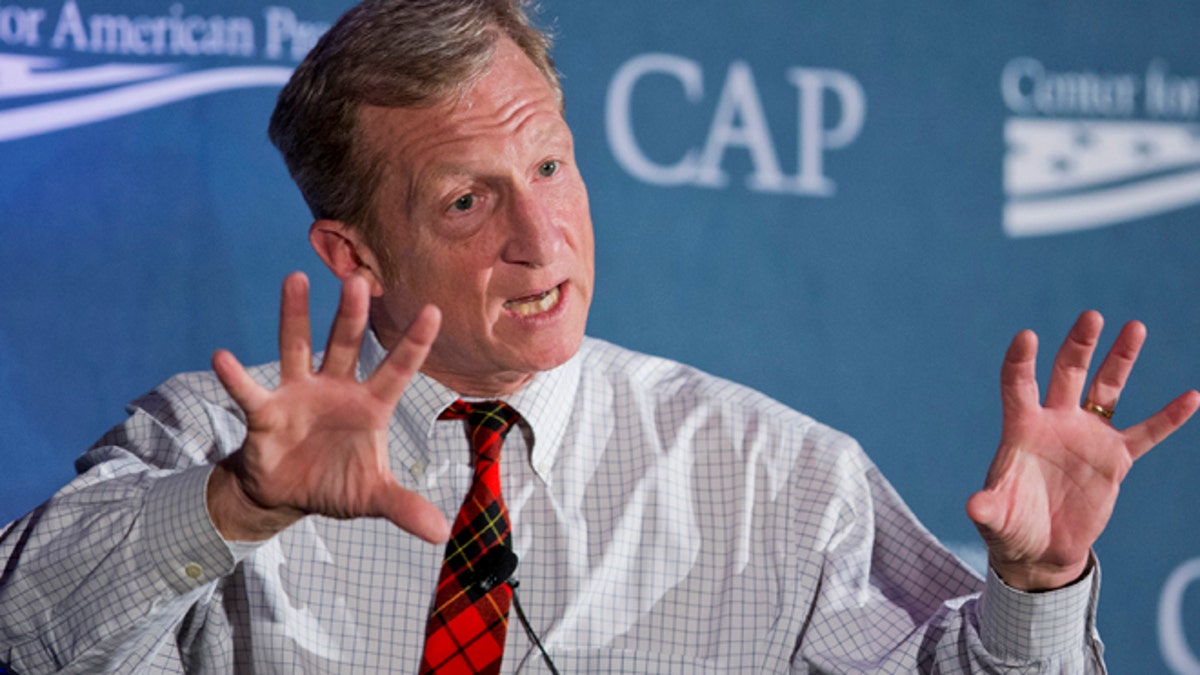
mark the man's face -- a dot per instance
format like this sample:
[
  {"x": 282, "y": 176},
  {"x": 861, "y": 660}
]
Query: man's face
[{"x": 485, "y": 215}]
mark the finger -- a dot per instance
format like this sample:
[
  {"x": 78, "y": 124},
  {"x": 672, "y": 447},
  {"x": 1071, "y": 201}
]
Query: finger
[
  {"x": 248, "y": 394},
  {"x": 1018, "y": 375},
  {"x": 393, "y": 375},
  {"x": 346, "y": 334},
  {"x": 1140, "y": 438},
  {"x": 414, "y": 514},
  {"x": 1071, "y": 364},
  {"x": 295, "y": 334},
  {"x": 1118, "y": 363}
]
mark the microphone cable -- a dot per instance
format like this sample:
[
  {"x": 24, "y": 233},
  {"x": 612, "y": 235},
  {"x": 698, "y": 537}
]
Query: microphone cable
[
  {"x": 497, "y": 567},
  {"x": 513, "y": 583}
]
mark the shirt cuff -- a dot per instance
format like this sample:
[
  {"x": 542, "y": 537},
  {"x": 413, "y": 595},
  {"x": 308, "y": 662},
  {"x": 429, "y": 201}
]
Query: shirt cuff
[
  {"x": 1021, "y": 627},
  {"x": 184, "y": 544}
]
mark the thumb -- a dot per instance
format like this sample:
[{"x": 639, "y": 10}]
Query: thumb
[
  {"x": 414, "y": 514},
  {"x": 985, "y": 510}
]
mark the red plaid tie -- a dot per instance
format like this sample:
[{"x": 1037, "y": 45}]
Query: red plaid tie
[{"x": 467, "y": 627}]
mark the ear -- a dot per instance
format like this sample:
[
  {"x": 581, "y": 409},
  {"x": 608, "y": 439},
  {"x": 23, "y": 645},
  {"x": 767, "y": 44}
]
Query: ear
[{"x": 343, "y": 251}]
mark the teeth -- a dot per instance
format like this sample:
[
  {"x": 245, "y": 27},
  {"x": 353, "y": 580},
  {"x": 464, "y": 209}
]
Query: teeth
[{"x": 535, "y": 304}]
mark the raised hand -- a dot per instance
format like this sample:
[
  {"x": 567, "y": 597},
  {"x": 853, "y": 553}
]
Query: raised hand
[
  {"x": 1051, "y": 488},
  {"x": 318, "y": 442}
]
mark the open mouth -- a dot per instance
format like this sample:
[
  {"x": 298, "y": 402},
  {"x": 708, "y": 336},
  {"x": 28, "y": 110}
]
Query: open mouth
[{"x": 535, "y": 304}]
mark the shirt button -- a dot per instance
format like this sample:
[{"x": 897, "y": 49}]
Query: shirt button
[
  {"x": 193, "y": 570},
  {"x": 417, "y": 471}
]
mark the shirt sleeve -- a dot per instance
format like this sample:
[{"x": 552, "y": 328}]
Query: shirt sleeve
[
  {"x": 892, "y": 599},
  {"x": 100, "y": 574},
  {"x": 1028, "y": 627}
]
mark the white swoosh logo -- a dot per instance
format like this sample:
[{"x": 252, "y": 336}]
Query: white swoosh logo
[
  {"x": 1067, "y": 175},
  {"x": 1107, "y": 207},
  {"x": 17, "y": 78},
  {"x": 31, "y": 75}
]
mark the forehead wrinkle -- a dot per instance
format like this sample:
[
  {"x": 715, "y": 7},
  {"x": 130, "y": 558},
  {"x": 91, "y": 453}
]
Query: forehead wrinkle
[
  {"x": 515, "y": 130},
  {"x": 503, "y": 108},
  {"x": 486, "y": 109}
]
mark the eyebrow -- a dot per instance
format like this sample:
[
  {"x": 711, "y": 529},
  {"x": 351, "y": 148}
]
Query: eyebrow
[
  {"x": 424, "y": 186},
  {"x": 442, "y": 171}
]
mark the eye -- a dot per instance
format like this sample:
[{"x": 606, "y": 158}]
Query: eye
[
  {"x": 548, "y": 168},
  {"x": 464, "y": 203}
]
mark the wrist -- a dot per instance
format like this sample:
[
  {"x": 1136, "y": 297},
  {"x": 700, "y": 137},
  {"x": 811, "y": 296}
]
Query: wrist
[
  {"x": 236, "y": 515},
  {"x": 1037, "y": 578}
]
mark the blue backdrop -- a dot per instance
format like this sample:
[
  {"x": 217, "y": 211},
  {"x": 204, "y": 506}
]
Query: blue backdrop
[{"x": 851, "y": 207}]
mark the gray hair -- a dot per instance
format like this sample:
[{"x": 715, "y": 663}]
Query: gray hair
[{"x": 390, "y": 53}]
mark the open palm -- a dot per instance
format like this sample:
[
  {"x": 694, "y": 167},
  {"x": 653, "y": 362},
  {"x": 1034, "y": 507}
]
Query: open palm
[
  {"x": 317, "y": 443},
  {"x": 1054, "y": 481}
]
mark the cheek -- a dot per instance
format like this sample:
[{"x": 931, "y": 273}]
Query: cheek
[
  {"x": 460, "y": 289},
  {"x": 447, "y": 269},
  {"x": 575, "y": 211}
]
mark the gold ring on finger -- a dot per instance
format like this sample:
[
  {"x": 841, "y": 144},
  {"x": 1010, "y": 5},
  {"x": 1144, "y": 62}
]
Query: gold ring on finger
[{"x": 1100, "y": 410}]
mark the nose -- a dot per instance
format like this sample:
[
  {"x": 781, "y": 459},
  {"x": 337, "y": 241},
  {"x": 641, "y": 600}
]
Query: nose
[{"x": 535, "y": 235}]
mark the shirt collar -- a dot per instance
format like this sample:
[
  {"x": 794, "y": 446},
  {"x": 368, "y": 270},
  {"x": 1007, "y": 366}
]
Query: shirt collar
[{"x": 545, "y": 403}]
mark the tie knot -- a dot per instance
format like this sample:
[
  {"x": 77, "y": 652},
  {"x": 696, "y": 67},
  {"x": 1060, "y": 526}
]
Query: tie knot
[{"x": 488, "y": 423}]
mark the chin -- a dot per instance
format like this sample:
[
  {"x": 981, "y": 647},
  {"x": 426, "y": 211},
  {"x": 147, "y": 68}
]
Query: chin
[{"x": 551, "y": 356}]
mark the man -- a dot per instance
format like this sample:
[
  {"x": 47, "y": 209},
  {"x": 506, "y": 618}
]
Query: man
[{"x": 665, "y": 520}]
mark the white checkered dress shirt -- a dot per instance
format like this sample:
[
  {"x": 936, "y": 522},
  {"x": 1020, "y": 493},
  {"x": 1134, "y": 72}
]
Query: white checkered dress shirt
[{"x": 666, "y": 521}]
